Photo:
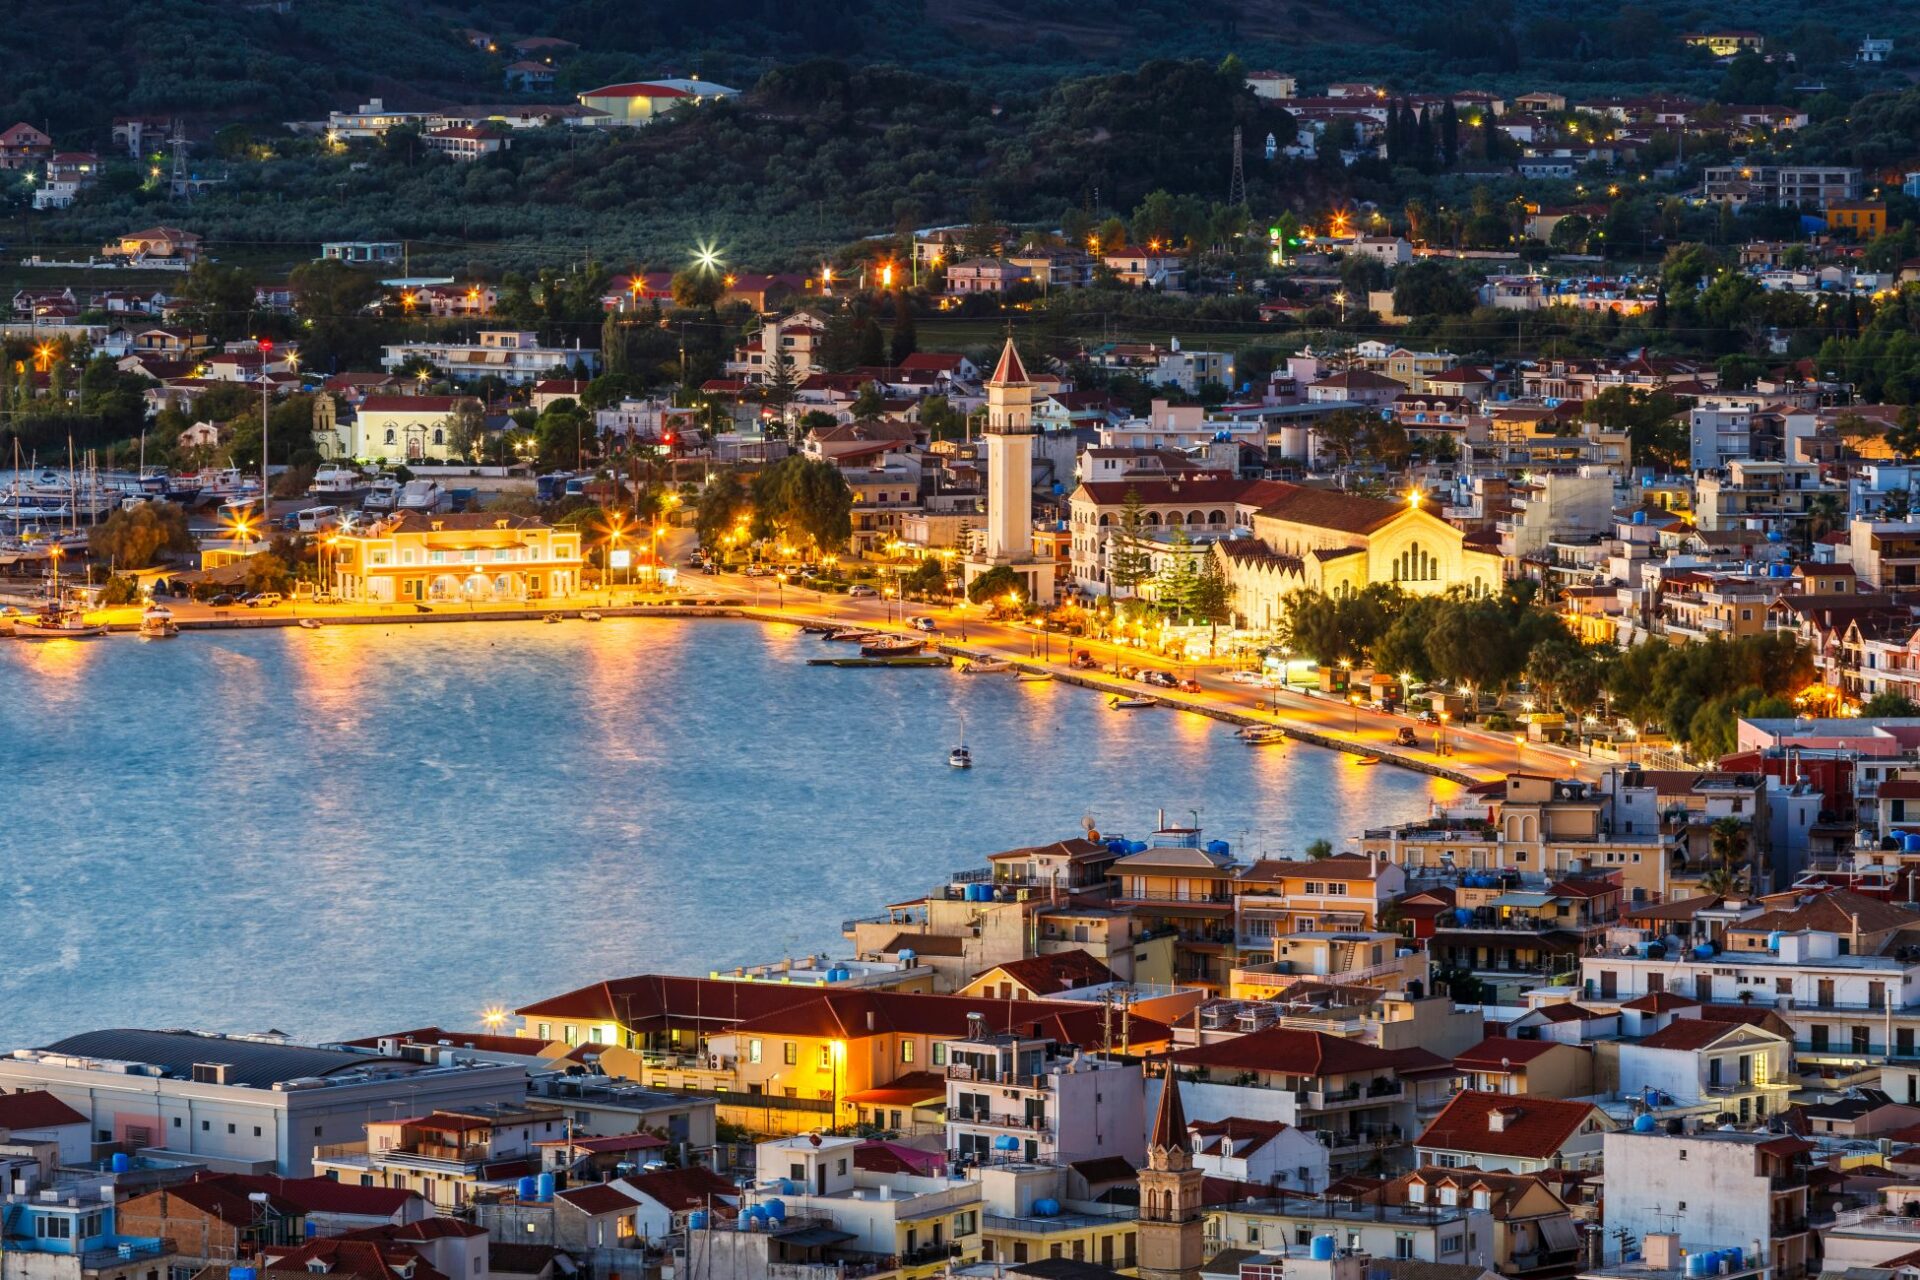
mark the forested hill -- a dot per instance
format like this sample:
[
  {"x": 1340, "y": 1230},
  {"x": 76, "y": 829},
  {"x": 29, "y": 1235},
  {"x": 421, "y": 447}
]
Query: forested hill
[{"x": 73, "y": 66}]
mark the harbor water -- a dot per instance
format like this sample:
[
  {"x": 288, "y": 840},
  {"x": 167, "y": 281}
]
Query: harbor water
[{"x": 360, "y": 829}]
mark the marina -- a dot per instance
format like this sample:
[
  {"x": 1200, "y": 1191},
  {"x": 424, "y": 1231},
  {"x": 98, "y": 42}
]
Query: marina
[{"x": 332, "y": 780}]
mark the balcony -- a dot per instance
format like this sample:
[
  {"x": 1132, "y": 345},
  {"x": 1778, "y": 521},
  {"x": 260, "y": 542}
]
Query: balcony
[
  {"x": 1347, "y": 1099},
  {"x": 1349, "y": 1141},
  {"x": 1059, "y": 1222},
  {"x": 1217, "y": 898}
]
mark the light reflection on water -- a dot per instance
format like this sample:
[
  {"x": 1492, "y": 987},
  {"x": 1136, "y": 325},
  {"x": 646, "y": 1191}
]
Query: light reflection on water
[{"x": 357, "y": 829}]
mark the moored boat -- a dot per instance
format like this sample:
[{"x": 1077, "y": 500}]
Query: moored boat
[
  {"x": 849, "y": 633},
  {"x": 960, "y": 757},
  {"x": 1260, "y": 736},
  {"x": 890, "y": 647},
  {"x": 157, "y": 623},
  {"x": 987, "y": 667},
  {"x": 1120, "y": 702}
]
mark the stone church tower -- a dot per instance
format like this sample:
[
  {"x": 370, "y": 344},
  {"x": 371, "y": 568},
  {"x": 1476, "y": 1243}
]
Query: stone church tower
[{"x": 1172, "y": 1244}]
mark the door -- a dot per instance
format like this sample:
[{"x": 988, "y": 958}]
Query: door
[{"x": 1609, "y": 984}]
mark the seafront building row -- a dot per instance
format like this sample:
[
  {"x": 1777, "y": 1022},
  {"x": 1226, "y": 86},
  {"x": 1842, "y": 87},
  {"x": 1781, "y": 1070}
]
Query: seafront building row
[{"x": 1125, "y": 1056}]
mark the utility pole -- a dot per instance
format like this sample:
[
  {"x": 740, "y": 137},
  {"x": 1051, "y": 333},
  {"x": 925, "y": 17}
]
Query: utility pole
[{"x": 1237, "y": 186}]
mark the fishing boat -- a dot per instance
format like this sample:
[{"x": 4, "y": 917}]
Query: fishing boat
[
  {"x": 1036, "y": 677},
  {"x": 818, "y": 628},
  {"x": 591, "y": 615},
  {"x": 987, "y": 667},
  {"x": 311, "y": 624},
  {"x": 960, "y": 757},
  {"x": 57, "y": 622},
  {"x": 1367, "y": 761},
  {"x": 890, "y": 647},
  {"x": 1121, "y": 702},
  {"x": 849, "y": 633},
  {"x": 157, "y": 623},
  {"x": 552, "y": 617},
  {"x": 1257, "y": 736}
]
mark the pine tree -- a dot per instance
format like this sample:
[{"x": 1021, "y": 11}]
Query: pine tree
[
  {"x": 870, "y": 345},
  {"x": 780, "y": 386},
  {"x": 1396, "y": 147},
  {"x": 613, "y": 344},
  {"x": 1211, "y": 599},
  {"x": 1129, "y": 560},
  {"x": 905, "y": 340},
  {"x": 1449, "y": 136}
]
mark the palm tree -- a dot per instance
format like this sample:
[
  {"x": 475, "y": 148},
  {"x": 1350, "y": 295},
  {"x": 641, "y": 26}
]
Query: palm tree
[
  {"x": 1728, "y": 837},
  {"x": 1824, "y": 515}
]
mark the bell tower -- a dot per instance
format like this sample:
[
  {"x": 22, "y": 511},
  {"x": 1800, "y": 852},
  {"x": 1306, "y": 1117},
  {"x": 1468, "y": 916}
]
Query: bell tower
[
  {"x": 1009, "y": 460},
  {"x": 1009, "y": 437},
  {"x": 1170, "y": 1226}
]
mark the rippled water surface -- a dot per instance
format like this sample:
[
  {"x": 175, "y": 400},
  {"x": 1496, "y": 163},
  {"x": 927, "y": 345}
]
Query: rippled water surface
[{"x": 364, "y": 828}]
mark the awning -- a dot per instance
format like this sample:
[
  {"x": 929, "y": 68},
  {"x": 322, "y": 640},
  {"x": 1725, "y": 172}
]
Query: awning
[
  {"x": 813, "y": 1237},
  {"x": 1518, "y": 899},
  {"x": 1558, "y": 1233}
]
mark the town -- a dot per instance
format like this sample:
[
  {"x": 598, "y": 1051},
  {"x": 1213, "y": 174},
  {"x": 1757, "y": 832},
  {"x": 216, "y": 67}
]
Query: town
[{"x": 564, "y": 523}]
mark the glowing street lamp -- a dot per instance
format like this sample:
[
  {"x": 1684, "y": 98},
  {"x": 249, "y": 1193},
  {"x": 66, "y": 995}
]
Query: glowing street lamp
[
  {"x": 493, "y": 1017},
  {"x": 706, "y": 257}
]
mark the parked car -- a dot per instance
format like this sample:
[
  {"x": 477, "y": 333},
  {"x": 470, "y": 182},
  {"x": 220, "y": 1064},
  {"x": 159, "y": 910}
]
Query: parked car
[
  {"x": 1428, "y": 717},
  {"x": 1083, "y": 661},
  {"x": 222, "y": 600},
  {"x": 758, "y": 571},
  {"x": 266, "y": 600},
  {"x": 1159, "y": 679},
  {"x": 1248, "y": 677},
  {"x": 922, "y": 623},
  {"x": 1405, "y": 738},
  {"x": 860, "y": 591}
]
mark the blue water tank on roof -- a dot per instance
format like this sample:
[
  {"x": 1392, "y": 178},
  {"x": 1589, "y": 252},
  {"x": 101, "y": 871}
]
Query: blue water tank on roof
[
  {"x": 1738, "y": 1258},
  {"x": 1048, "y": 1208},
  {"x": 1639, "y": 517},
  {"x": 909, "y": 956},
  {"x": 1645, "y": 1124},
  {"x": 697, "y": 1220},
  {"x": 1703, "y": 952},
  {"x": 1321, "y": 1250},
  {"x": 1219, "y": 847},
  {"x": 545, "y": 1185},
  {"x": 776, "y": 1210},
  {"x": 121, "y": 1162},
  {"x": 528, "y": 1187}
]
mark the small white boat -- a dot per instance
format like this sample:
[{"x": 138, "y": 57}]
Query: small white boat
[
  {"x": 849, "y": 633},
  {"x": 552, "y": 617},
  {"x": 1365, "y": 762},
  {"x": 1036, "y": 677},
  {"x": 960, "y": 757},
  {"x": 310, "y": 624},
  {"x": 1120, "y": 702},
  {"x": 987, "y": 667},
  {"x": 157, "y": 623},
  {"x": 591, "y": 615},
  {"x": 1258, "y": 736},
  {"x": 60, "y": 624}
]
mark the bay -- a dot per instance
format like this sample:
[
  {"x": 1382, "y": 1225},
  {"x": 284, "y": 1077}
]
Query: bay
[{"x": 360, "y": 829}]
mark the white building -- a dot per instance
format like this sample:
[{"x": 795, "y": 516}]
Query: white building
[
  {"x": 510, "y": 355},
  {"x": 256, "y": 1104},
  {"x": 1265, "y": 1152},
  {"x": 1728, "y": 1066},
  {"x": 1015, "y": 1097},
  {"x": 1713, "y": 1189},
  {"x": 1010, "y": 435}
]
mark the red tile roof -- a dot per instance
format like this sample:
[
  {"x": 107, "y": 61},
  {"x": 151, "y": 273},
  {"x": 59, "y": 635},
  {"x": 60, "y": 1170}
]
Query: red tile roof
[
  {"x": 855, "y": 1015},
  {"x": 683, "y": 1188},
  {"x": 1050, "y": 975},
  {"x": 1283, "y": 1051},
  {"x": 910, "y": 1090},
  {"x": 1660, "y": 1002},
  {"x": 601, "y": 1197},
  {"x": 1499, "y": 1051},
  {"x": 1534, "y": 1128},
  {"x": 1686, "y": 1034},
  {"x": 365, "y": 1259},
  {"x": 36, "y": 1109},
  {"x": 414, "y": 404}
]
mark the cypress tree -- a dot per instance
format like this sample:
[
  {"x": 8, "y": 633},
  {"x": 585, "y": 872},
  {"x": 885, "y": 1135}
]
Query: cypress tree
[
  {"x": 1423, "y": 141},
  {"x": 1450, "y": 136}
]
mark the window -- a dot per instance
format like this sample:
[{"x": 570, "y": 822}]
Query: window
[
  {"x": 790, "y": 1053},
  {"x": 546, "y": 1031},
  {"x": 753, "y": 1051},
  {"x": 256, "y": 1131},
  {"x": 906, "y": 1051},
  {"x": 206, "y": 1126},
  {"x": 176, "y": 1119},
  {"x": 939, "y": 1055},
  {"x": 389, "y": 435}
]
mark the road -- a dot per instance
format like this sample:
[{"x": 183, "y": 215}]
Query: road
[{"x": 1471, "y": 753}]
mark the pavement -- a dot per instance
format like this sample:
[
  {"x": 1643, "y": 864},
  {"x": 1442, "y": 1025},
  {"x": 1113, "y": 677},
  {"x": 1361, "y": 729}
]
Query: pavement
[{"x": 1466, "y": 754}]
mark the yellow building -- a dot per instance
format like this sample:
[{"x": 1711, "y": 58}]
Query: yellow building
[
  {"x": 1339, "y": 543},
  {"x": 1725, "y": 44},
  {"x": 475, "y": 557},
  {"x": 1865, "y": 218}
]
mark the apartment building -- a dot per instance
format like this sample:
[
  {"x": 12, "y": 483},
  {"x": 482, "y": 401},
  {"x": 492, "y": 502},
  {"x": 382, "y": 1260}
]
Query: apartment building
[
  {"x": 1040, "y": 1100},
  {"x": 1712, "y": 1187}
]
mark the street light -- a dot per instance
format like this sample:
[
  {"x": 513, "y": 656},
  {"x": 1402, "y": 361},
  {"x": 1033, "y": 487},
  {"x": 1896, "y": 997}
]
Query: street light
[
  {"x": 1519, "y": 746},
  {"x": 1353, "y": 700},
  {"x": 780, "y": 585},
  {"x": 1441, "y": 743}
]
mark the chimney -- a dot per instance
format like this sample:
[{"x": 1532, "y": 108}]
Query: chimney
[{"x": 1500, "y": 1117}]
